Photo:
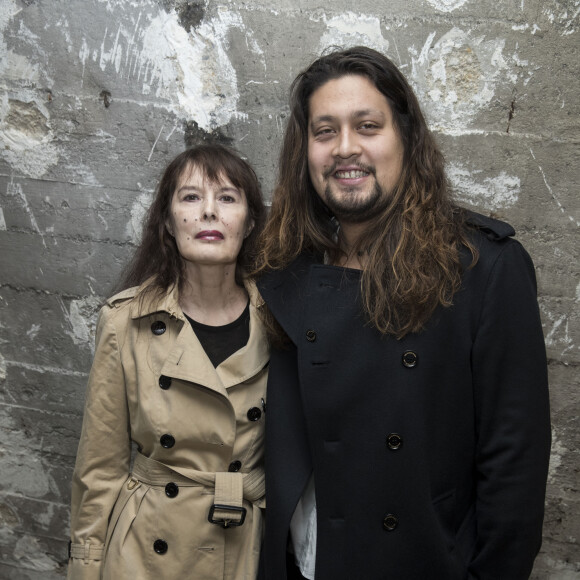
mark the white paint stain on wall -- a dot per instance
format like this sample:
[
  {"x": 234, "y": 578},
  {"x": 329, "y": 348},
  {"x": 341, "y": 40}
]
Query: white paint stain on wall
[
  {"x": 564, "y": 15},
  {"x": 189, "y": 71},
  {"x": 138, "y": 211},
  {"x": 561, "y": 207},
  {"x": 491, "y": 193},
  {"x": 2, "y": 368},
  {"x": 15, "y": 189},
  {"x": 25, "y": 133},
  {"x": 557, "y": 454},
  {"x": 350, "y": 29},
  {"x": 447, "y": 5},
  {"x": 457, "y": 76},
  {"x": 2, "y": 221},
  {"x": 81, "y": 317}
]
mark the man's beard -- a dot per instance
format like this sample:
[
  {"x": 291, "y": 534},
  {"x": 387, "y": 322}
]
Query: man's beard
[{"x": 353, "y": 209}]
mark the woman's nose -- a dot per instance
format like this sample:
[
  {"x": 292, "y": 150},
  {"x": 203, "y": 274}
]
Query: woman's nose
[{"x": 209, "y": 209}]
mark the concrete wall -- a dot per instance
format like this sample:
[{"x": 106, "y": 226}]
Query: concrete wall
[{"x": 96, "y": 96}]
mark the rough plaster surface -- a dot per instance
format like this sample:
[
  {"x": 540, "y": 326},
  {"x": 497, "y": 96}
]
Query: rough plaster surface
[{"x": 96, "y": 96}]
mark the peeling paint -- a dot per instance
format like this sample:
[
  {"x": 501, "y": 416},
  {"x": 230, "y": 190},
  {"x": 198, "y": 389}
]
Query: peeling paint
[
  {"x": 26, "y": 135},
  {"x": 350, "y": 29},
  {"x": 557, "y": 454},
  {"x": 81, "y": 317},
  {"x": 32, "y": 332},
  {"x": 191, "y": 71},
  {"x": 2, "y": 221},
  {"x": 564, "y": 15},
  {"x": 492, "y": 193},
  {"x": 447, "y": 5},
  {"x": 138, "y": 211},
  {"x": 457, "y": 76},
  {"x": 2, "y": 368}
]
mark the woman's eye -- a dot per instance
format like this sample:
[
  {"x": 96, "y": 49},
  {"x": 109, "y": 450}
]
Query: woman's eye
[
  {"x": 191, "y": 197},
  {"x": 227, "y": 198}
]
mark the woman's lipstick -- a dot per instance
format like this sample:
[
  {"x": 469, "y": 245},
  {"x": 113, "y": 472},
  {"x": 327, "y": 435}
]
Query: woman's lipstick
[{"x": 209, "y": 235}]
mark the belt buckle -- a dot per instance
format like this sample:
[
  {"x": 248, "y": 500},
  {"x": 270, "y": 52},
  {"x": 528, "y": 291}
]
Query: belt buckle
[{"x": 226, "y": 523}]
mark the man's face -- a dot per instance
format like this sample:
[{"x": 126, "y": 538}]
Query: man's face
[{"x": 355, "y": 154}]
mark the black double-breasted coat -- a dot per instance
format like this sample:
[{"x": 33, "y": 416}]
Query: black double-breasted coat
[{"x": 430, "y": 453}]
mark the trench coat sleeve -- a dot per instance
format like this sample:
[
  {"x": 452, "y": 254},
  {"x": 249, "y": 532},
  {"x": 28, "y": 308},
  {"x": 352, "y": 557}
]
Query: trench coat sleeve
[
  {"x": 512, "y": 421},
  {"x": 104, "y": 451}
]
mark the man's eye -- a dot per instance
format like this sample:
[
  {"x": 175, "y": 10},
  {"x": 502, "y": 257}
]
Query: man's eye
[
  {"x": 323, "y": 132},
  {"x": 368, "y": 126}
]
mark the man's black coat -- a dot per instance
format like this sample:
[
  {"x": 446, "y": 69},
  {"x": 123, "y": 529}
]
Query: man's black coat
[{"x": 429, "y": 453}]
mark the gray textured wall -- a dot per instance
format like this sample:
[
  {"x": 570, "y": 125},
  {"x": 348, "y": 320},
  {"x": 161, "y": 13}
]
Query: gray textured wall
[{"x": 96, "y": 96}]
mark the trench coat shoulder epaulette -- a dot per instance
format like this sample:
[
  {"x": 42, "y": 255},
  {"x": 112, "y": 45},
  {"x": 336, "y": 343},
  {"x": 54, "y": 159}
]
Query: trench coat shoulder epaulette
[
  {"x": 117, "y": 299},
  {"x": 492, "y": 228}
]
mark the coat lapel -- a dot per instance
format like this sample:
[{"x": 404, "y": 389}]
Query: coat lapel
[
  {"x": 188, "y": 361},
  {"x": 285, "y": 292}
]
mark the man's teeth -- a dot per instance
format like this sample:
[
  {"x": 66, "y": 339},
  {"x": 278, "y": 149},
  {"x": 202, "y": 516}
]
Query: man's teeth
[{"x": 352, "y": 174}]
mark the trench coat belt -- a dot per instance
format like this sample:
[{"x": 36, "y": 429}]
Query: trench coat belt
[{"x": 230, "y": 488}]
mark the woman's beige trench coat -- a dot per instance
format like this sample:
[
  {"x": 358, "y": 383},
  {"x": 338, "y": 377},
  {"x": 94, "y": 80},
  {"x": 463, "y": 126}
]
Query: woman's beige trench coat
[{"x": 199, "y": 434}]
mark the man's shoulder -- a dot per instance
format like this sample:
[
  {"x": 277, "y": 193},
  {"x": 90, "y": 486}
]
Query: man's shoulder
[{"x": 493, "y": 229}]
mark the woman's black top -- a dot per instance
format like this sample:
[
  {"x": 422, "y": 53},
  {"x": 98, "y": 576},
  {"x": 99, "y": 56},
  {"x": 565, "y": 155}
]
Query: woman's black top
[{"x": 220, "y": 342}]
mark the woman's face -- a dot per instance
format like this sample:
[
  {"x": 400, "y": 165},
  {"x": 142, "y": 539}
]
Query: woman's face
[{"x": 209, "y": 221}]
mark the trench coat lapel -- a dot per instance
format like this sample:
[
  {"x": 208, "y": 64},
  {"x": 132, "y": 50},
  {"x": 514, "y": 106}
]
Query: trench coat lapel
[
  {"x": 250, "y": 360},
  {"x": 188, "y": 361},
  {"x": 286, "y": 293}
]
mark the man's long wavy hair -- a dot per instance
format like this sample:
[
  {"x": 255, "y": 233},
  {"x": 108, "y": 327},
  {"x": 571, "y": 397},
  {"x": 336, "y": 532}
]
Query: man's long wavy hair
[
  {"x": 412, "y": 244},
  {"x": 157, "y": 257}
]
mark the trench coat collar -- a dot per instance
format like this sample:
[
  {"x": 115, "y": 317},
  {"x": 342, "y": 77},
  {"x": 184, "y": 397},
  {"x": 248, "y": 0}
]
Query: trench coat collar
[{"x": 187, "y": 360}]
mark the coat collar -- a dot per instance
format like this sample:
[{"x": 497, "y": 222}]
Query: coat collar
[{"x": 187, "y": 359}]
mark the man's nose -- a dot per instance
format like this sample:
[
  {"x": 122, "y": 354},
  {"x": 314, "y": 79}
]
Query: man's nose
[{"x": 347, "y": 144}]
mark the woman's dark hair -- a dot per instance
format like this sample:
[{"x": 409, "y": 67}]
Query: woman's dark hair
[
  {"x": 157, "y": 257},
  {"x": 412, "y": 243}
]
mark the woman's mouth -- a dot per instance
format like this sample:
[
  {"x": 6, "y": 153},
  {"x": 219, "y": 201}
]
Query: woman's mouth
[{"x": 209, "y": 235}]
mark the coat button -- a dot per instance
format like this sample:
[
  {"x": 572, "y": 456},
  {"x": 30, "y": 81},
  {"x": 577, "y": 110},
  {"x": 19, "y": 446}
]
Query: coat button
[
  {"x": 158, "y": 327},
  {"x": 171, "y": 490},
  {"x": 254, "y": 414},
  {"x": 410, "y": 359},
  {"x": 160, "y": 546},
  {"x": 235, "y": 466},
  {"x": 164, "y": 382},
  {"x": 394, "y": 441},
  {"x": 310, "y": 335},
  {"x": 390, "y": 522},
  {"x": 167, "y": 441}
]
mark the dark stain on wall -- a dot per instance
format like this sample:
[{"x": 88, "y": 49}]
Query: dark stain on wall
[
  {"x": 195, "y": 135},
  {"x": 190, "y": 13}
]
